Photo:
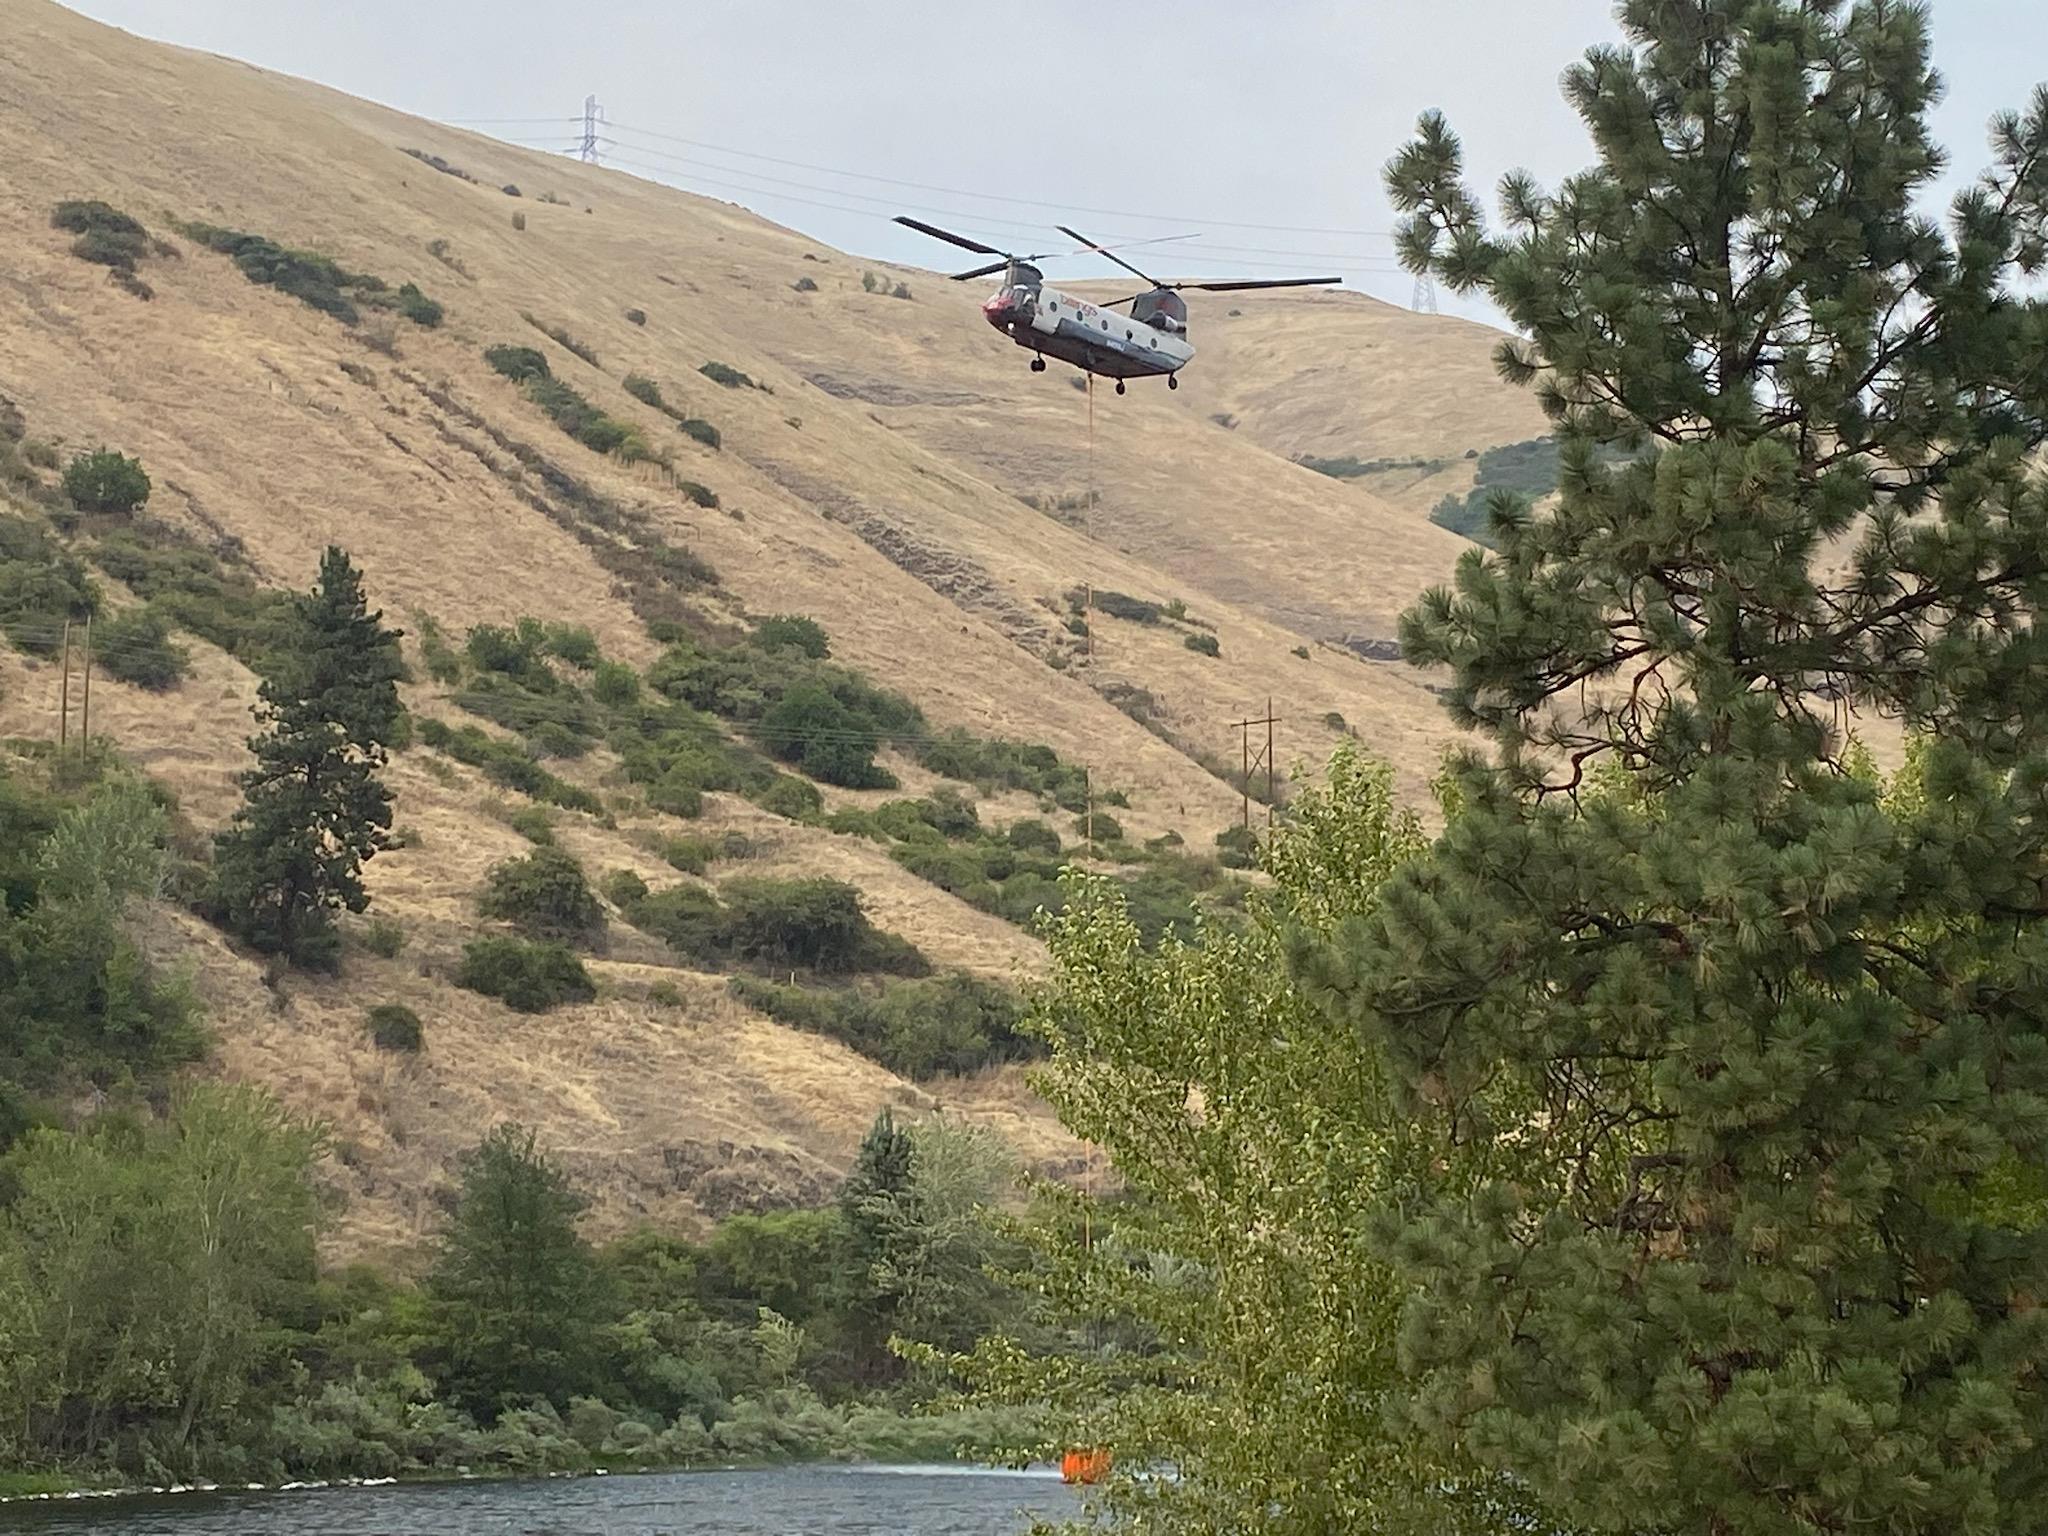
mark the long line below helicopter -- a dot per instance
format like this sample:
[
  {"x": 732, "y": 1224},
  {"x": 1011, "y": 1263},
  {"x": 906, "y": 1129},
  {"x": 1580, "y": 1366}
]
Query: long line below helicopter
[{"x": 1150, "y": 341}]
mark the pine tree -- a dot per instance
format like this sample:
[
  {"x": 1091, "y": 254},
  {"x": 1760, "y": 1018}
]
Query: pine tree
[
  {"x": 314, "y": 811},
  {"x": 1759, "y": 1052},
  {"x": 881, "y": 1174}
]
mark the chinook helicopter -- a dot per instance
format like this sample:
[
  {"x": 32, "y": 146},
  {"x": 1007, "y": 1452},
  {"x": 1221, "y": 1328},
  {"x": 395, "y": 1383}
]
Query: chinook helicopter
[{"x": 1149, "y": 341}]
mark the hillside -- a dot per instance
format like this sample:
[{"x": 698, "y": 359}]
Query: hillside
[{"x": 872, "y": 481}]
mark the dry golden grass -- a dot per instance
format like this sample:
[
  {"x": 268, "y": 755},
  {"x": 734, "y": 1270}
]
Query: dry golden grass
[{"x": 876, "y": 489}]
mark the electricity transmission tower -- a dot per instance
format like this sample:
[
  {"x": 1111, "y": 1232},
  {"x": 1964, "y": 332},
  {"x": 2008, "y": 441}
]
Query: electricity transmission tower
[
  {"x": 1424, "y": 301},
  {"x": 593, "y": 119}
]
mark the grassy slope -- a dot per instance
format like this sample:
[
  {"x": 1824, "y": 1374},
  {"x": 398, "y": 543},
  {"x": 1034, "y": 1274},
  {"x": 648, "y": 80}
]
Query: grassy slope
[{"x": 893, "y": 519}]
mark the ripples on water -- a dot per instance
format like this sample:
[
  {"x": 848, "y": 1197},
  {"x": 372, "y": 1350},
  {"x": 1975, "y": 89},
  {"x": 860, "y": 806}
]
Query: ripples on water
[{"x": 784, "y": 1501}]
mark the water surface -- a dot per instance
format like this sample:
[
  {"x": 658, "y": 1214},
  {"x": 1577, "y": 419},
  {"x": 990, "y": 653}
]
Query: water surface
[{"x": 783, "y": 1501}]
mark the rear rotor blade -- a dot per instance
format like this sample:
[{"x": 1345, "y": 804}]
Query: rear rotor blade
[
  {"x": 994, "y": 266},
  {"x": 1259, "y": 282},
  {"x": 947, "y": 235},
  {"x": 1075, "y": 234}
]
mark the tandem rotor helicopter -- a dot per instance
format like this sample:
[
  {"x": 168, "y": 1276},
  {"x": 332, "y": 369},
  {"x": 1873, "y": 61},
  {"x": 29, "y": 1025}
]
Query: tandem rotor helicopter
[{"x": 1150, "y": 341}]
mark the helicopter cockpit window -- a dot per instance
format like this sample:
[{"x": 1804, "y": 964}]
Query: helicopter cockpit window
[
  {"x": 1023, "y": 279},
  {"x": 1166, "y": 311}
]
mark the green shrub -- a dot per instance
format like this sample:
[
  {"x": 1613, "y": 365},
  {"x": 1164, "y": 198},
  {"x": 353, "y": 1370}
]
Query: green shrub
[
  {"x": 1301, "y": 651},
  {"x": 544, "y": 895},
  {"x": 790, "y": 797},
  {"x": 519, "y": 364},
  {"x": 192, "y": 588},
  {"x": 136, "y": 647},
  {"x": 624, "y": 889},
  {"x": 616, "y": 684},
  {"x": 395, "y": 1027},
  {"x": 685, "y": 917},
  {"x": 533, "y": 823},
  {"x": 441, "y": 662},
  {"x": 1237, "y": 847},
  {"x": 573, "y": 643},
  {"x": 515, "y": 651},
  {"x": 666, "y": 993},
  {"x": 805, "y": 636},
  {"x": 585, "y": 422},
  {"x": 106, "y": 481},
  {"x": 900, "y": 291},
  {"x": 526, "y": 977},
  {"x": 309, "y": 277},
  {"x": 691, "y": 855},
  {"x": 677, "y": 795},
  {"x": 417, "y": 307},
  {"x": 637, "y": 316},
  {"x": 105, "y": 234},
  {"x": 917, "y": 1029},
  {"x": 1336, "y": 721},
  {"x": 1107, "y": 829},
  {"x": 700, "y": 494},
  {"x": 726, "y": 374},
  {"x": 1121, "y": 605},
  {"x": 805, "y": 285},
  {"x": 809, "y": 924},
  {"x": 563, "y": 339},
  {"x": 810, "y": 727},
  {"x": 644, "y": 389},
  {"x": 700, "y": 430},
  {"x": 1034, "y": 837},
  {"x": 41, "y": 585},
  {"x": 1205, "y": 644},
  {"x": 384, "y": 937}
]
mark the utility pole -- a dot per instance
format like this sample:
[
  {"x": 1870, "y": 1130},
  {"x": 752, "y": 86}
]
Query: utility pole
[
  {"x": 593, "y": 116},
  {"x": 85, "y": 710},
  {"x": 64, "y": 696},
  {"x": 1256, "y": 759},
  {"x": 1424, "y": 300}
]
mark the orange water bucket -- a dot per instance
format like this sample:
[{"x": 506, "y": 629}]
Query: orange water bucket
[{"x": 1089, "y": 1466}]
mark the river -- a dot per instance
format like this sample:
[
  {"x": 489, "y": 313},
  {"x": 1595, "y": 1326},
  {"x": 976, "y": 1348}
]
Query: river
[{"x": 784, "y": 1501}]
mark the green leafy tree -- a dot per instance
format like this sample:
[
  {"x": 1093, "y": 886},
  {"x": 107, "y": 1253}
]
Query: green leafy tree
[
  {"x": 517, "y": 1288},
  {"x": 1753, "y": 1045},
  {"x": 545, "y": 895},
  {"x": 313, "y": 809},
  {"x": 810, "y": 727},
  {"x": 105, "y": 481},
  {"x": 146, "y": 1262},
  {"x": 1222, "y": 1310}
]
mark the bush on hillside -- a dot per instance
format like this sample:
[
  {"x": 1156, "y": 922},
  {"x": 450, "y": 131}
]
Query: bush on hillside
[
  {"x": 615, "y": 684},
  {"x": 545, "y": 895},
  {"x": 563, "y": 339},
  {"x": 105, "y": 234},
  {"x": 644, "y": 389},
  {"x": 135, "y": 646},
  {"x": 533, "y": 823},
  {"x": 417, "y": 307},
  {"x": 700, "y": 430},
  {"x": 384, "y": 937},
  {"x": 395, "y": 1027},
  {"x": 810, "y": 924},
  {"x": 526, "y": 977},
  {"x": 726, "y": 374},
  {"x": 805, "y": 285},
  {"x": 1033, "y": 837},
  {"x": 637, "y": 316},
  {"x": 106, "y": 481},
  {"x": 790, "y": 797},
  {"x": 810, "y": 727},
  {"x": 806, "y": 636},
  {"x": 1204, "y": 644},
  {"x": 519, "y": 364}
]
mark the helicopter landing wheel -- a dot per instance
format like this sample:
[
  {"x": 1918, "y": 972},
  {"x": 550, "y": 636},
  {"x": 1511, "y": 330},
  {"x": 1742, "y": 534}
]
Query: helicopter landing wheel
[
  {"x": 1119, "y": 386},
  {"x": 1038, "y": 365},
  {"x": 1173, "y": 381}
]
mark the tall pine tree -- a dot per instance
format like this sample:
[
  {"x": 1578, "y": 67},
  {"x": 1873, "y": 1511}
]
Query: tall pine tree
[
  {"x": 313, "y": 810},
  {"x": 1760, "y": 1053}
]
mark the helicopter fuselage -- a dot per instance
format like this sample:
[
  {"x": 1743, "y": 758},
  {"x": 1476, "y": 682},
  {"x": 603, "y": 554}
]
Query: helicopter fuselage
[{"x": 1044, "y": 320}]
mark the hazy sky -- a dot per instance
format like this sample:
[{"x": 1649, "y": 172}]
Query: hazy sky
[{"x": 1171, "y": 116}]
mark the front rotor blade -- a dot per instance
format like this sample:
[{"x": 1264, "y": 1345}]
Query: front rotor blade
[
  {"x": 947, "y": 235},
  {"x": 994, "y": 266},
  {"x": 1259, "y": 282},
  {"x": 1075, "y": 234}
]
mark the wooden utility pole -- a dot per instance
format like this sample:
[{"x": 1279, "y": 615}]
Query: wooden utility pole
[
  {"x": 1252, "y": 761},
  {"x": 64, "y": 696},
  {"x": 85, "y": 708}
]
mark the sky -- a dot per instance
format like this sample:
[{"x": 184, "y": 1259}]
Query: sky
[{"x": 1258, "y": 129}]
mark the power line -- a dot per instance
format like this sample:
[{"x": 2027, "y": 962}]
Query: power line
[
  {"x": 1028, "y": 202},
  {"x": 1363, "y": 264},
  {"x": 593, "y": 116}
]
